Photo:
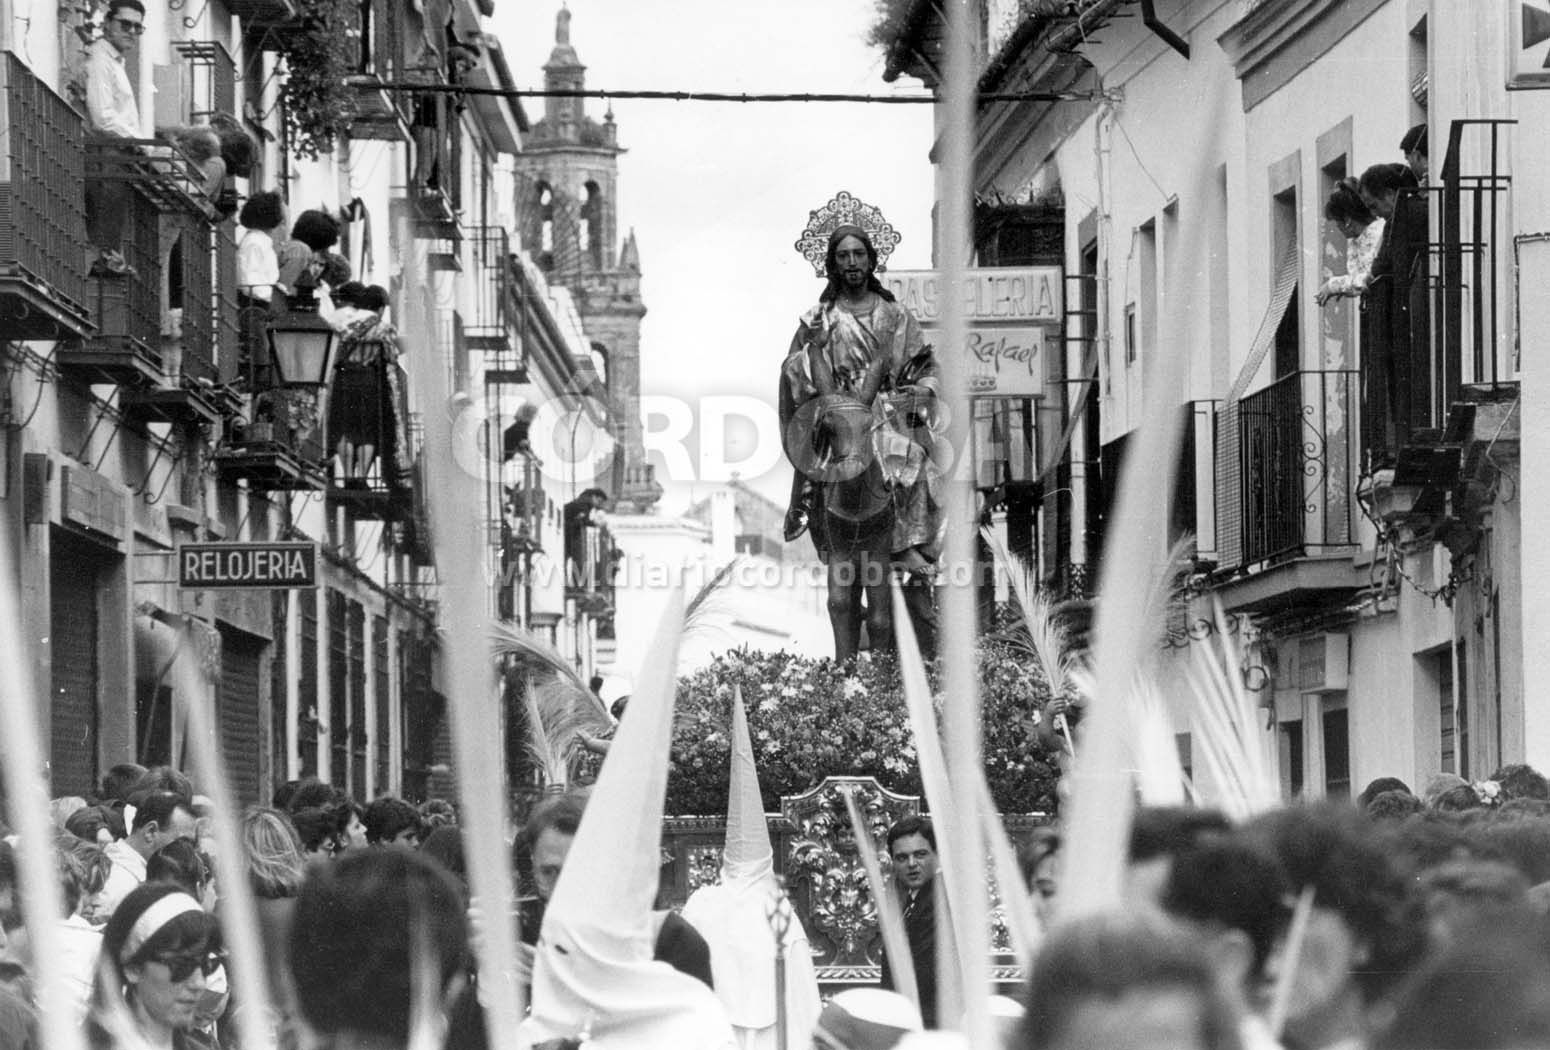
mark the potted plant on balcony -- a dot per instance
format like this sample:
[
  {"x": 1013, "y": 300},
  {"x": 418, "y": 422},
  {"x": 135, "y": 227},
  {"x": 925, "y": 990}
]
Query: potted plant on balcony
[{"x": 321, "y": 51}]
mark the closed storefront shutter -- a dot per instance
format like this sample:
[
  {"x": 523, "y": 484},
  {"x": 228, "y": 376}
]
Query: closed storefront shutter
[
  {"x": 311, "y": 698},
  {"x": 73, "y": 698},
  {"x": 356, "y": 641},
  {"x": 237, "y": 711},
  {"x": 379, "y": 674},
  {"x": 338, "y": 691}
]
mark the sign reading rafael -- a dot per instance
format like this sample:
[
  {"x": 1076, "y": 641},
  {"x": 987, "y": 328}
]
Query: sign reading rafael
[
  {"x": 257, "y": 565},
  {"x": 1010, "y": 312}
]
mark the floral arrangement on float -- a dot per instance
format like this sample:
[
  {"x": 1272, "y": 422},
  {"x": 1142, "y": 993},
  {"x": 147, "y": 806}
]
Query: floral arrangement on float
[{"x": 813, "y": 718}]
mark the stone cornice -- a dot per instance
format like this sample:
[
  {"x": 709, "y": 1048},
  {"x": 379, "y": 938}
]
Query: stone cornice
[{"x": 1277, "y": 40}]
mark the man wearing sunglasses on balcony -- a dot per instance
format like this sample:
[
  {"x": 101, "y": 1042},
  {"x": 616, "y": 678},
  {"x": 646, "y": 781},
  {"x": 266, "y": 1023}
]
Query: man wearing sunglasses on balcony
[
  {"x": 112, "y": 112},
  {"x": 157, "y": 951}
]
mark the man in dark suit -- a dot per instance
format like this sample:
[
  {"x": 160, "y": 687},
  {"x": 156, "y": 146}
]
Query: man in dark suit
[{"x": 912, "y": 845}]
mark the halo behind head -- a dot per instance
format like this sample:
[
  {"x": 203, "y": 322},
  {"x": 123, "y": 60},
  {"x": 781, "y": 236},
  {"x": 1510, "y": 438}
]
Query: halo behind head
[{"x": 846, "y": 210}]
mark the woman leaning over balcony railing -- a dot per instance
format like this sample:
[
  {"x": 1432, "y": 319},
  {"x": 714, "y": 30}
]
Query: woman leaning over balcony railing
[
  {"x": 367, "y": 405},
  {"x": 1363, "y": 232}
]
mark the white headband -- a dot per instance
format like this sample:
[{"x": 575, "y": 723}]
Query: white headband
[{"x": 150, "y": 922}]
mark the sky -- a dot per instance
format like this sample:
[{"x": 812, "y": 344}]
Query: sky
[{"x": 717, "y": 193}]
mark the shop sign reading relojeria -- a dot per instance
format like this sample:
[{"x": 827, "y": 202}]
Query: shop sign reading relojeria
[
  {"x": 1010, "y": 312},
  {"x": 256, "y": 565}
]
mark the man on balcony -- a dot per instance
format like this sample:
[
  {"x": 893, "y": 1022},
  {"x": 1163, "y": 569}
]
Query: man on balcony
[
  {"x": 580, "y": 513},
  {"x": 112, "y": 112}
]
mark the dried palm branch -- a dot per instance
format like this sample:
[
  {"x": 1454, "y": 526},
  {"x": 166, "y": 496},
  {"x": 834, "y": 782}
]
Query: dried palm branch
[
  {"x": 1129, "y": 625},
  {"x": 890, "y": 921},
  {"x": 427, "y": 1018},
  {"x": 239, "y": 919},
  {"x": 536, "y": 658},
  {"x": 1022, "y": 921},
  {"x": 559, "y": 706},
  {"x": 549, "y": 756},
  {"x": 456, "y": 501},
  {"x": 1286, "y": 980},
  {"x": 707, "y": 599},
  {"x": 962, "y": 874},
  {"x": 1160, "y": 777},
  {"x": 1244, "y": 781},
  {"x": 1041, "y": 635},
  {"x": 25, "y": 784}
]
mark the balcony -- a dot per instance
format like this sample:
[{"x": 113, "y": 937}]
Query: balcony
[
  {"x": 490, "y": 326},
  {"x": 43, "y": 289},
  {"x": 639, "y": 486},
  {"x": 1286, "y": 459},
  {"x": 378, "y": 111},
  {"x": 199, "y": 343},
  {"x": 1451, "y": 353},
  {"x": 258, "y": 16},
  {"x": 268, "y": 456},
  {"x": 165, "y": 216},
  {"x": 198, "y": 86},
  {"x": 591, "y": 560},
  {"x": 275, "y": 441},
  {"x": 436, "y": 187},
  {"x": 368, "y": 411}
]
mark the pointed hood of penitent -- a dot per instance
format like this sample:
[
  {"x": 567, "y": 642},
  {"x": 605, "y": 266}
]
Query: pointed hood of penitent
[
  {"x": 734, "y": 915},
  {"x": 749, "y": 859},
  {"x": 594, "y": 974}
]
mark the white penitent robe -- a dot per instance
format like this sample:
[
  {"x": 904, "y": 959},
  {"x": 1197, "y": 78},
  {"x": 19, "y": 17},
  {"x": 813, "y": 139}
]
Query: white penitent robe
[{"x": 731, "y": 916}]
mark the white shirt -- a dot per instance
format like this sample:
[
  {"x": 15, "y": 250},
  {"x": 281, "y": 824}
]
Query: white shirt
[
  {"x": 110, "y": 98},
  {"x": 81, "y": 944},
  {"x": 258, "y": 266},
  {"x": 128, "y": 872}
]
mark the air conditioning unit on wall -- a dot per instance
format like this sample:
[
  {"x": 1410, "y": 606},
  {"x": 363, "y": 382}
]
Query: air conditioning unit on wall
[{"x": 1323, "y": 663}]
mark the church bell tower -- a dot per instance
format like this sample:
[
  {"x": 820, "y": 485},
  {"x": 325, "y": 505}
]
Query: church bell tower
[{"x": 568, "y": 213}]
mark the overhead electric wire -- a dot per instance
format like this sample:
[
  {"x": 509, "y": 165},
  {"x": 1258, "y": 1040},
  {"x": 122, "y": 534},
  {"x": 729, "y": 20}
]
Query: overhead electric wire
[{"x": 726, "y": 96}]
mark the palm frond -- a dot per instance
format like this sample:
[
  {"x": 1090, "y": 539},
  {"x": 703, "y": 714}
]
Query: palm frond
[
  {"x": 706, "y": 599},
  {"x": 890, "y": 921},
  {"x": 1126, "y": 633},
  {"x": 1159, "y": 774},
  {"x": 558, "y": 704},
  {"x": 536, "y": 658},
  {"x": 1041, "y": 636},
  {"x": 565, "y": 716},
  {"x": 1022, "y": 920},
  {"x": 1244, "y": 781},
  {"x": 547, "y": 752}
]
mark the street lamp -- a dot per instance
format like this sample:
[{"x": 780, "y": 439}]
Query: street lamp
[{"x": 301, "y": 344}]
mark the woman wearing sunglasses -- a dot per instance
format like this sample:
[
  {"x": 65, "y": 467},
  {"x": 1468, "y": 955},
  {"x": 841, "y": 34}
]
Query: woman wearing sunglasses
[{"x": 157, "y": 951}]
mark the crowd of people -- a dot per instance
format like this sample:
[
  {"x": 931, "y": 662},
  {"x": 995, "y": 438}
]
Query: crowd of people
[
  {"x": 142, "y": 932},
  {"x": 1403, "y": 921}
]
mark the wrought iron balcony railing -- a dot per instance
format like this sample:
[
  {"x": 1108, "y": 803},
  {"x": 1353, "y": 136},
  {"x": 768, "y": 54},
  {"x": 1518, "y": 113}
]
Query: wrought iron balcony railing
[
  {"x": 1431, "y": 330},
  {"x": 154, "y": 313},
  {"x": 43, "y": 287},
  {"x": 489, "y": 326},
  {"x": 1296, "y": 457},
  {"x": 379, "y": 112},
  {"x": 368, "y": 430}
]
